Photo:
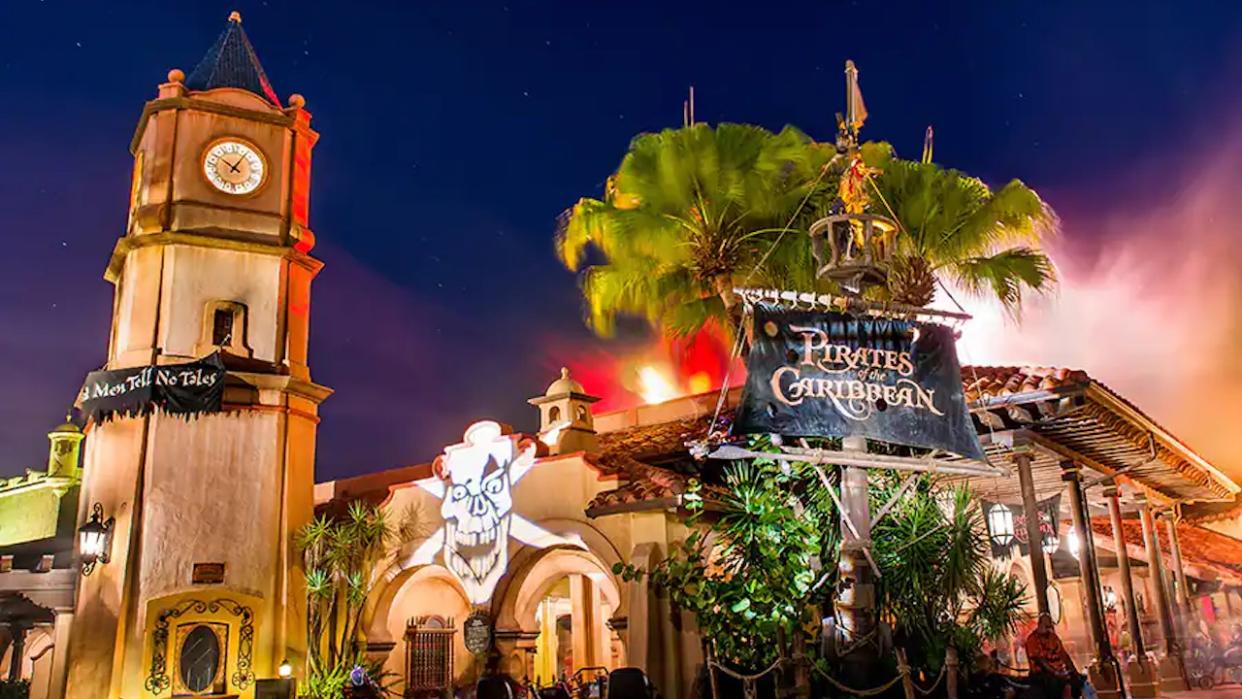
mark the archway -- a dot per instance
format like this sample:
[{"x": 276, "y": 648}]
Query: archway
[
  {"x": 566, "y": 597},
  {"x": 426, "y": 597}
]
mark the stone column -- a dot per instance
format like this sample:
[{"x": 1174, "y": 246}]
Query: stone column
[
  {"x": 1034, "y": 538},
  {"x": 1172, "y": 676},
  {"x": 60, "y": 654},
  {"x": 1103, "y": 671},
  {"x": 582, "y": 596},
  {"x": 1140, "y": 673},
  {"x": 1182, "y": 593}
]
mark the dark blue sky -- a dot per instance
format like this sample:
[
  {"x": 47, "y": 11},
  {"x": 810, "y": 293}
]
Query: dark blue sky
[{"x": 454, "y": 133}]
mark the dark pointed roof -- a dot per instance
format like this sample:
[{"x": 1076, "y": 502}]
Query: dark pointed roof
[{"x": 232, "y": 62}]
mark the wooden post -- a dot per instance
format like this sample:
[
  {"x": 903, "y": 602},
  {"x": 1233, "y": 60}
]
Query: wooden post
[
  {"x": 1103, "y": 671},
  {"x": 1034, "y": 538},
  {"x": 856, "y": 601},
  {"x": 711, "y": 668},
  {"x": 903, "y": 667},
  {"x": 1142, "y": 679},
  {"x": 18, "y": 650},
  {"x": 950, "y": 671},
  {"x": 1172, "y": 678}
]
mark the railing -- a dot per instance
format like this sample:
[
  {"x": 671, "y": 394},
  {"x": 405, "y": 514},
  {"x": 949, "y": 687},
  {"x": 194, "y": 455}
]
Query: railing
[{"x": 858, "y": 248}]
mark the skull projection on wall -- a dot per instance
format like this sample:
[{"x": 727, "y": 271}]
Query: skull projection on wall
[{"x": 474, "y": 481}]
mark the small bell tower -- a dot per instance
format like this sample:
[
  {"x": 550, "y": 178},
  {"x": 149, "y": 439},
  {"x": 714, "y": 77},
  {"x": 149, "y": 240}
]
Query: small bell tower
[{"x": 566, "y": 408}]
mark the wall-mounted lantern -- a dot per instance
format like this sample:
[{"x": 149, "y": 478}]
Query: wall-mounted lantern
[
  {"x": 285, "y": 670},
  {"x": 1000, "y": 522},
  {"x": 95, "y": 539}
]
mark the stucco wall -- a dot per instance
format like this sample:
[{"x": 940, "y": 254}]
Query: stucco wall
[{"x": 194, "y": 276}]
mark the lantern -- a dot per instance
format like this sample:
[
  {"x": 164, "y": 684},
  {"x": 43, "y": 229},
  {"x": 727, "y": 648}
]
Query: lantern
[
  {"x": 1051, "y": 542},
  {"x": 1110, "y": 598},
  {"x": 1000, "y": 523},
  {"x": 285, "y": 670},
  {"x": 1073, "y": 543},
  {"x": 94, "y": 540}
]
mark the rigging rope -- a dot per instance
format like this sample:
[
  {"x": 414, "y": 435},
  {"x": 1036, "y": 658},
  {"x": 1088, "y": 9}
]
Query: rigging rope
[{"x": 858, "y": 692}]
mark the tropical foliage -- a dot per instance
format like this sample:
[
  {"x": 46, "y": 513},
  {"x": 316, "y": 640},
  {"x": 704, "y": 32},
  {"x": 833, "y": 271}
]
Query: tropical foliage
[
  {"x": 690, "y": 214},
  {"x": 954, "y": 227},
  {"x": 761, "y": 569},
  {"x": 340, "y": 556},
  {"x": 938, "y": 585}
]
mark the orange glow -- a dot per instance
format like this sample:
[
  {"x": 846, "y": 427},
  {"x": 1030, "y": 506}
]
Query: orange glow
[{"x": 655, "y": 386}]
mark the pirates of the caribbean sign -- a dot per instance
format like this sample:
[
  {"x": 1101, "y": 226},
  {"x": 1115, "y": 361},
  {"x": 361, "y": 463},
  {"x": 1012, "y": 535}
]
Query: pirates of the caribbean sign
[
  {"x": 180, "y": 389},
  {"x": 825, "y": 374}
]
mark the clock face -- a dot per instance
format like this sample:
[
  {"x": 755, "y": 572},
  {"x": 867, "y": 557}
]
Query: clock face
[{"x": 234, "y": 167}]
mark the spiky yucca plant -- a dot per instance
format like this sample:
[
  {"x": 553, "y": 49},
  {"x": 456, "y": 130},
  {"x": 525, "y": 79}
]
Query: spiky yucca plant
[{"x": 341, "y": 556}]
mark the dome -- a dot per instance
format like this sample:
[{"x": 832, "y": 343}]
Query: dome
[
  {"x": 67, "y": 427},
  {"x": 563, "y": 385}
]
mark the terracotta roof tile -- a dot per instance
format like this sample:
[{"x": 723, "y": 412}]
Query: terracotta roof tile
[
  {"x": 1214, "y": 511},
  {"x": 618, "y": 450},
  {"x": 996, "y": 381},
  {"x": 1201, "y": 547}
]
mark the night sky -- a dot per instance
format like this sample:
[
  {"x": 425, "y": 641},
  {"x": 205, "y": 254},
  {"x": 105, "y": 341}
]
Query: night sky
[{"x": 453, "y": 134}]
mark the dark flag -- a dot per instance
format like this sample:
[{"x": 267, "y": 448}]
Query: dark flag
[{"x": 828, "y": 374}]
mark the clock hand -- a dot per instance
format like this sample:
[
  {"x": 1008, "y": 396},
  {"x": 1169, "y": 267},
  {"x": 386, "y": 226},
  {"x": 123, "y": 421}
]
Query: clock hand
[{"x": 233, "y": 166}]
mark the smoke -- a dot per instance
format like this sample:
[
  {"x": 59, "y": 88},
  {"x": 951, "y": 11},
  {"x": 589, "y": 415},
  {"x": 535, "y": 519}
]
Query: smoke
[{"x": 1150, "y": 301}]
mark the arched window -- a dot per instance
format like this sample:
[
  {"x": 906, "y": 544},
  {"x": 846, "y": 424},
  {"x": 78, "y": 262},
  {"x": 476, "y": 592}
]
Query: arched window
[
  {"x": 554, "y": 414},
  {"x": 224, "y": 328}
]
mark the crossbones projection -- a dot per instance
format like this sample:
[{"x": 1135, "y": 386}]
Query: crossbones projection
[{"x": 474, "y": 482}]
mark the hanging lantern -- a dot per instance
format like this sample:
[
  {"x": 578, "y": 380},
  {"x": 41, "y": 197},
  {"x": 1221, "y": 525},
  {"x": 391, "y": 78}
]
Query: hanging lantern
[
  {"x": 1051, "y": 542},
  {"x": 1073, "y": 543},
  {"x": 1110, "y": 598},
  {"x": 1000, "y": 523}
]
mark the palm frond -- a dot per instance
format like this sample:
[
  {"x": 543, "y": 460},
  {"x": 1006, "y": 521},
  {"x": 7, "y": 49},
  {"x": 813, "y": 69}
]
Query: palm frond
[{"x": 1006, "y": 275}]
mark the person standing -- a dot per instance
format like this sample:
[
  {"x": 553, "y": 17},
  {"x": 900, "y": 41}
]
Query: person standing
[{"x": 1052, "y": 669}]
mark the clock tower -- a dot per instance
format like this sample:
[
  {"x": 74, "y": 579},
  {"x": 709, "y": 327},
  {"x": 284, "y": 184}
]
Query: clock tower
[{"x": 200, "y": 591}]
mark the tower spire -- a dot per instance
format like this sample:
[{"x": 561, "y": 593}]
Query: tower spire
[{"x": 232, "y": 62}]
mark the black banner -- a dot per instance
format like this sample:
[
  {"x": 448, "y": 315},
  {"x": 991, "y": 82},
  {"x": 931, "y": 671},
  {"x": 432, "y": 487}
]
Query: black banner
[
  {"x": 179, "y": 389},
  {"x": 827, "y": 374}
]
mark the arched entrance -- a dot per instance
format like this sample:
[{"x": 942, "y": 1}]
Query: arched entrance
[
  {"x": 567, "y": 598},
  {"x": 428, "y": 597}
]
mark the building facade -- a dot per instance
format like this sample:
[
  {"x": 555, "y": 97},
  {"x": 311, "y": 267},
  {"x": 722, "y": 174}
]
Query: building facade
[
  {"x": 519, "y": 535},
  {"x": 215, "y": 259}
]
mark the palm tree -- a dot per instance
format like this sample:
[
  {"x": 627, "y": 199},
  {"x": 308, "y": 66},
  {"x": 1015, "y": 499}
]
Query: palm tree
[
  {"x": 689, "y": 214},
  {"x": 954, "y": 228}
]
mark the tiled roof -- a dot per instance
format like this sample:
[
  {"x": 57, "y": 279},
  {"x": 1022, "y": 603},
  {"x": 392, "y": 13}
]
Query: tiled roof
[
  {"x": 1104, "y": 429},
  {"x": 1203, "y": 512},
  {"x": 1201, "y": 547},
  {"x": 232, "y": 62},
  {"x": 637, "y": 491},
  {"x": 983, "y": 382},
  {"x": 618, "y": 450}
]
